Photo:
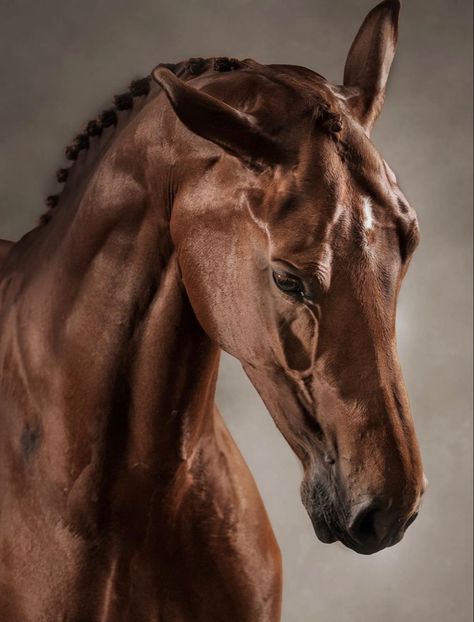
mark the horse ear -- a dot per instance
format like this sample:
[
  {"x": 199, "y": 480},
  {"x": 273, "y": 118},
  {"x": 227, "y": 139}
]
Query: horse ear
[
  {"x": 369, "y": 60},
  {"x": 218, "y": 122}
]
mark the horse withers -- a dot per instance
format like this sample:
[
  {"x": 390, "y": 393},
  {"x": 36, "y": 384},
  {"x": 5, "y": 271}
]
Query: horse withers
[{"x": 220, "y": 204}]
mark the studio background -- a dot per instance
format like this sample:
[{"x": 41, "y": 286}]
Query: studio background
[{"x": 60, "y": 64}]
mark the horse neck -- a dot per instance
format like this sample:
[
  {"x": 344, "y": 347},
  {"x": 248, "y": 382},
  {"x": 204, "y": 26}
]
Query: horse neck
[
  {"x": 128, "y": 375},
  {"x": 170, "y": 372}
]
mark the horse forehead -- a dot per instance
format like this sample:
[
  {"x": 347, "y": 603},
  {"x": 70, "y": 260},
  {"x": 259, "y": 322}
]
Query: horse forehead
[
  {"x": 325, "y": 194},
  {"x": 316, "y": 230},
  {"x": 330, "y": 187}
]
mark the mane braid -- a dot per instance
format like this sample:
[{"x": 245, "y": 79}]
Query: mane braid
[
  {"x": 107, "y": 118},
  {"x": 139, "y": 87}
]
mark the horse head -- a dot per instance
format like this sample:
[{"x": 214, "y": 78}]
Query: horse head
[{"x": 293, "y": 238}]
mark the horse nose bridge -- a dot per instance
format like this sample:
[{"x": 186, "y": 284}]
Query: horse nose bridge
[
  {"x": 377, "y": 446},
  {"x": 363, "y": 366},
  {"x": 366, "y": 431},
  {"x": 399, "y": 420}
]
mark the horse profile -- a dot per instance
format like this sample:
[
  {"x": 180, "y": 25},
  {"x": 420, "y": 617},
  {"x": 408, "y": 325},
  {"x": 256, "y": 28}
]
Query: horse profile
[{"x": 221, "y": 204}]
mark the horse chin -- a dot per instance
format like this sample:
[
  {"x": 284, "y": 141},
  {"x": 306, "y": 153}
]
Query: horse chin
[
  {"x": 323, "y": 531},
  {"x": 367, "y": 548}
]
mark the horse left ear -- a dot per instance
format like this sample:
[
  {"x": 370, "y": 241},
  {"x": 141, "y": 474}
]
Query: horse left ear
[
  {"x": 220, "y": 123},
  {"x": 369, "y": 60}
]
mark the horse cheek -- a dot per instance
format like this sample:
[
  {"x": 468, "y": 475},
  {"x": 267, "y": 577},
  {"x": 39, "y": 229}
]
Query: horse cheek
[{"x": 298, "y": 338}]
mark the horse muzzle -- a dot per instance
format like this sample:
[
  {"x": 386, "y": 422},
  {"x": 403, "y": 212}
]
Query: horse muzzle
[{"x": 367, "y": 526}]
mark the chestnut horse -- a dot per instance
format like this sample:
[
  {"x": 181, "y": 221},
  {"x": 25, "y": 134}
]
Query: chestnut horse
[{"x": 221, "y": 204}]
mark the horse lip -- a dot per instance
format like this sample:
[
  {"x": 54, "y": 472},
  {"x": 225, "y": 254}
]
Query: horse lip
[
  {"x": 328, "y": 534},
  {"x": 373, "y": 546},
  {"x": 323, "y": 530}
]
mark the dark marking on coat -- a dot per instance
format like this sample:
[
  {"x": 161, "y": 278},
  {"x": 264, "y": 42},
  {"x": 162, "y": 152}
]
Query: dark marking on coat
[{"x": 30, "y": 441}]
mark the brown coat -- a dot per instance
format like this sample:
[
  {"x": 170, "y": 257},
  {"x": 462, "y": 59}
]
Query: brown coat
[{"x": 226, "y": 205}]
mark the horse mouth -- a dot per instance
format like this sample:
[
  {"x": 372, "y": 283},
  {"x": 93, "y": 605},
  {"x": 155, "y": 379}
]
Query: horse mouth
[
  {"x": 328, "y": 534},
  {"x": 332, "y": 520}
]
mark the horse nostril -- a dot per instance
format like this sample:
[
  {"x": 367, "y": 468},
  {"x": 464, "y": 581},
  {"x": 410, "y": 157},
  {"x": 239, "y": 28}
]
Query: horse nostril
[
  {"x": 367, "y": 520},
  {"x": 364, "y": 527}
]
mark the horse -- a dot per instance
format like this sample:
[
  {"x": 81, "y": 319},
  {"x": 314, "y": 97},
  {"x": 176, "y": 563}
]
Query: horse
[{"x": 220, "y": 204}]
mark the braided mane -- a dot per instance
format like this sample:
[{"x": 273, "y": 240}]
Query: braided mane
[
  {"x": 140, "y": 87},
  {"x": 107, "y": 118},
  {"x": 125, "y": 101}
]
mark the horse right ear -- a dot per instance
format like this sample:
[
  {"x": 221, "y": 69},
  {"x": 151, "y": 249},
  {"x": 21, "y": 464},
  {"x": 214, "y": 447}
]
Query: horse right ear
[
  {"x": 218, "y": 122},
  {"x": 369, "y": 60}
]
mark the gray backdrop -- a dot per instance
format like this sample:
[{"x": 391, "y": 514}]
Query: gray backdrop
[{"x": 62, "y": 61}]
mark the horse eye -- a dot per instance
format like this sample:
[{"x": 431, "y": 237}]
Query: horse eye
[{"x": 288, "y": 283}]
